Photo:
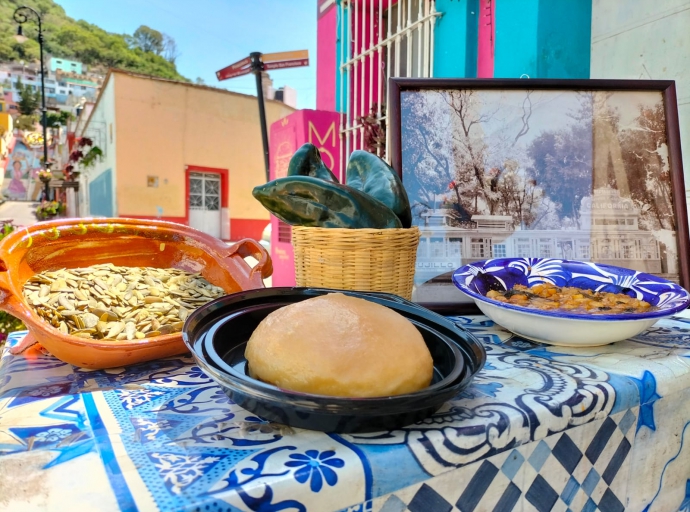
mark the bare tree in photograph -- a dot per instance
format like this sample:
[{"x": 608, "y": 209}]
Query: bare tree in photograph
[
  {"x": 425, "y": 150},
  {"x": 645, "y": 154},
  {"x": 445, "y": 142},
  {"x": 470, "y": 151},
  {"x": 500, "y": 189},
  {"x": 519, "y": 196},
  {"x": 607, "y": 161}
]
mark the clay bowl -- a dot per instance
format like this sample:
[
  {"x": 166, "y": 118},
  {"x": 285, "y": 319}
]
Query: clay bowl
[{"x": 73, "y": 243}]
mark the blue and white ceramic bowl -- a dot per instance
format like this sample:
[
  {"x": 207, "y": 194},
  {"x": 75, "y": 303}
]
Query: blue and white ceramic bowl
[{"x": 567, "y": 328}]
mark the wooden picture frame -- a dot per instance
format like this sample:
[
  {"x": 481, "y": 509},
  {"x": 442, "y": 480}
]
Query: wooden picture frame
[{"x": 575, "y": 169}]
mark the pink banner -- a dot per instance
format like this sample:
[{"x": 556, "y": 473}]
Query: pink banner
[
  {"x": 287, "y": 136},
  {"x": 485, "y": 42}
]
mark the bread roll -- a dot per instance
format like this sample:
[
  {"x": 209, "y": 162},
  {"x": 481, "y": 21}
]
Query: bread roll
[{"x": 339, "y": 345}]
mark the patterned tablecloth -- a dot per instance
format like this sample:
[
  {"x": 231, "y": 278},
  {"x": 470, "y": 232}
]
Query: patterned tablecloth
[{"x": 541, "y": 428}]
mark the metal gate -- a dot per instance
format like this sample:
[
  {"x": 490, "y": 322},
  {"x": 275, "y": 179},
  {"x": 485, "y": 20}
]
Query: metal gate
[
  {"x": 383, "y": 39},
  {"x": 204, "y": 202}
]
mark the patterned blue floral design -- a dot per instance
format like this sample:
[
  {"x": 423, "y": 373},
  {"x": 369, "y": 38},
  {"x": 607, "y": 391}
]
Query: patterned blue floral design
[
  {"x": 477, "y": 279},
  {"x": 685, "y": 506},
  {"x": 53, "y": 434},
  {"x": 648, "y": 396},
  {"x": 481, "y": 389},
  {"x": 315, "y": 468}
]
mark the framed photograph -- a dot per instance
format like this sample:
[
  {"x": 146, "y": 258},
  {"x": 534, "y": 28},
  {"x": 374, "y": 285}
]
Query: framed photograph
[{"x": 574, "y": 169}]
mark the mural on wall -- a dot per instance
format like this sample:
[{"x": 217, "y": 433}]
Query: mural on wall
[{"x": 21, "y": 182}]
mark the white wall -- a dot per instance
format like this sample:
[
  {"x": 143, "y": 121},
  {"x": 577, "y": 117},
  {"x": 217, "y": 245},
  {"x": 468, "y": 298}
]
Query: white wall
[{"x": 101, "y": 128}]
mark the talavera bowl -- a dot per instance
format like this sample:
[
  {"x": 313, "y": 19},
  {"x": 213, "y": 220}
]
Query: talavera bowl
[
  {"x": 73, "y": 243},
  {"x": 567, "y": 328}
]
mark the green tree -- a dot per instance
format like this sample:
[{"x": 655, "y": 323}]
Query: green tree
[
  {"x": 147, "y": 39},
  {"x": 57, "y": 119},
  {"x": 87, "y": 43},
  {"x": 29, "y": 99}
]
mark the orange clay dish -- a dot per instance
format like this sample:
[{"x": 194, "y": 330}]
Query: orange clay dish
[{"x": 548, "y": 297}]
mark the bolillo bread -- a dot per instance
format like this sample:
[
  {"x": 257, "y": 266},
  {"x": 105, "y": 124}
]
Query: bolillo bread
[{"x": 338, "y": 345}]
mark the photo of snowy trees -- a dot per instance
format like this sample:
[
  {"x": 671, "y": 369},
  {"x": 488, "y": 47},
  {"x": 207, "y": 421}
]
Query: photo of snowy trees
[{"x": 537, "y": 173}]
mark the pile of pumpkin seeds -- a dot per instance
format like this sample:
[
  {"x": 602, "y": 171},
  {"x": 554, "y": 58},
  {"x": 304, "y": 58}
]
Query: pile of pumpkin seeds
[{"x": 118, "y": 303}]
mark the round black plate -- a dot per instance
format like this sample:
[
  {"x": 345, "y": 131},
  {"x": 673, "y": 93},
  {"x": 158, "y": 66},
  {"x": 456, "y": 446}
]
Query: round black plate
[
  {"x": 225, "y": 343},
  {"x": 217, "y": 333}
]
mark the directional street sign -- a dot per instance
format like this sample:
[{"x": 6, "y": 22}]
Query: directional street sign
[
  {"x": 286, "y": 64},
  {"x": 239, "y": 68},
  {"x": 226, "y": 73},
  {"x": 282, "y": 60},
  {"x": 257, "y": 63},
  {"x": 296, "y": 55}
]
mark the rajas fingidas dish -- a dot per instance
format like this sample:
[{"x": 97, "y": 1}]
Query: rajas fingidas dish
[
  {"x": 338, "y": 345},
  {"x": 548, "y": 297}
]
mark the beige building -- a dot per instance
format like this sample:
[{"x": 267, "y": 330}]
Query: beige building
[{"x": 177, "y": 151}]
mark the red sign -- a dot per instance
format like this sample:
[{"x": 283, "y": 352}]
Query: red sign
[
  {"x": 279, "y": 60},
  {"x": 239, "y": 68},
  {"x": 286, "y": 64},
  {"x": 224, "y": 74}
]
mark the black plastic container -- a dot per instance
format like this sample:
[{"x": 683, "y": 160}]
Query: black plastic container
[{"x": 217, "y": 333}]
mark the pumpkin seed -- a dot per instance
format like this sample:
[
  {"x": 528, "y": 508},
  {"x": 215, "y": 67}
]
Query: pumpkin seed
[{"x": 120, "y": 303}]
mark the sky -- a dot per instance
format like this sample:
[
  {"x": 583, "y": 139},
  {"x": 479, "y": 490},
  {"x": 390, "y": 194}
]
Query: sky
[{"x": 212, "y": 34}]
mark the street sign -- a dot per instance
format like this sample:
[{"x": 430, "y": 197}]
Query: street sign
[
  {"x": 295, "y": 55},
  {"x": 286, "y": 64},
  {"x": 257, "y": 63},
  {"x": 225, "y": 74},
  {"x": 282, "y": 60},
  {"x": 239, "y": 68}
]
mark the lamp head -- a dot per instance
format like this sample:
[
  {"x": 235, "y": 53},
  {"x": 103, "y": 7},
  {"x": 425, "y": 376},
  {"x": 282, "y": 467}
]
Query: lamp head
[{"x": 20, "y": 37}]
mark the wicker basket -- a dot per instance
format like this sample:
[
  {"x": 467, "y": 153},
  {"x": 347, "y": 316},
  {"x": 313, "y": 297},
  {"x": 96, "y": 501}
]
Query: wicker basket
[{"x": 381, "y": 260}]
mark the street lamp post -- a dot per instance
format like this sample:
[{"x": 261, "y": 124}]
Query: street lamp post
[{"x": 22, "y": 15}]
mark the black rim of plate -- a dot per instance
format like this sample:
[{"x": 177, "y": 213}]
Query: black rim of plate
[
  {"x": 199, "y": 324},
  {"x": 218, "y": 361},
  {"x": 469, "y": 345}
]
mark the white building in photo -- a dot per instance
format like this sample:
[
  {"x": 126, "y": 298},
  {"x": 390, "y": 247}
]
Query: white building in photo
[{"x": 609, "y": 233}]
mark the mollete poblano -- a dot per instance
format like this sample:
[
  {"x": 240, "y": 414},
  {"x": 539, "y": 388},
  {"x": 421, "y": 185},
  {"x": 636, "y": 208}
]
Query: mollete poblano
[
  {"x": 370, "y": 174},
  {"x": 307, "y": 162},
  {"x": 313, "y": 202}
]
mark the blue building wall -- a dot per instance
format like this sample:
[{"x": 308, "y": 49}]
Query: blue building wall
[
  {"x": 455, "y": 39},
  {"x": 101, "y": 195},
  {"x": 515, "y": 41},
  {"x": 542, "y": 38},
  {"x": 564, "y": 38},
  {"x": 65, "y": 65},
  {"x": 340, "y": 57}
]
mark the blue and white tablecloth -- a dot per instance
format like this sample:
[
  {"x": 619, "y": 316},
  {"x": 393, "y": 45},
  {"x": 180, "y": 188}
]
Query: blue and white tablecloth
[{"x": 542, "y": 428}]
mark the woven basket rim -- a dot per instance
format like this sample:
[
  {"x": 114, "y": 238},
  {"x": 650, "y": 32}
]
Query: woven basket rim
[{"x": 351, "y": 230}]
